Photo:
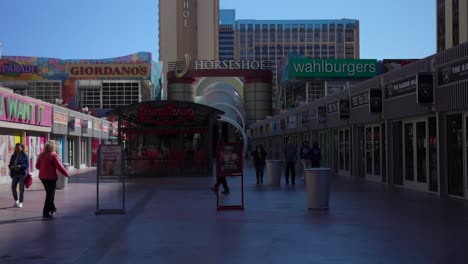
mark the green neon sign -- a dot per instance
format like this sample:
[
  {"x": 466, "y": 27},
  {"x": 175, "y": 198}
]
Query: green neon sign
[{"x": 343, "y": 68}]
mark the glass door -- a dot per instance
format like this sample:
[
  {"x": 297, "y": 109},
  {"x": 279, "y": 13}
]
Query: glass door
[
  {"x": 361, "y": 159},
  {"x": 84, "y": 152},
  {"x": 71, "y": 152},
  {"x": 344, "y": 148},
  {"x": 373, "y": 153},
  {"x": 323, "y": 143},
  {"x": 397, "y": 153},
  {"x": 455, "y": 154},
  {"x": 416, "y": 155}
]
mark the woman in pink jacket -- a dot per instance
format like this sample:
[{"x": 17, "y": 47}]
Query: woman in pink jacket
[{"x": 48, "y": 163}]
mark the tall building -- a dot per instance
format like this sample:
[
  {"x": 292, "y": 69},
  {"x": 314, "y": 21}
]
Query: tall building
[
  {"x": 271, "y": 40},
  {"x": 452, "y": 23},
  {"x": 227, "y": 23},
  {"x": 187, "y": 27}
]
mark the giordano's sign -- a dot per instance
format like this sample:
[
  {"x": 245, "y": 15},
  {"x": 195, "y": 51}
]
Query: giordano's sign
[
  {"x": 182, "y": 67},
  {"x": 344, "y": 68}
]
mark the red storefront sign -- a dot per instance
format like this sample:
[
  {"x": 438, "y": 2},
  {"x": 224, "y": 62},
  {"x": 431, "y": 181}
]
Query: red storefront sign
[{"x": 169, "y": 114}]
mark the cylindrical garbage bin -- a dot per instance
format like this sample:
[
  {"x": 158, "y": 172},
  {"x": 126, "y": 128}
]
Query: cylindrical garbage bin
[
  {"x": 318, "y": 187},
  {"x": 62, "y": 180},
  {"x": 273, "y": 170}
]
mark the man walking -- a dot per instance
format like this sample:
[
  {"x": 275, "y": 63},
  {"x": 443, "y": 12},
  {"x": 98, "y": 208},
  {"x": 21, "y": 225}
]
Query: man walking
[{"x": 290, "y": 155}]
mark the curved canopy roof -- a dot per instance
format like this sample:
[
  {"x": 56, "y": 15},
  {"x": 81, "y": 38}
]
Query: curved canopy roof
[{"x": 166, "y": 113}]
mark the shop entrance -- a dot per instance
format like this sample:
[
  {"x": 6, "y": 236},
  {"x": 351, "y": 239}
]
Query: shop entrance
[
  {"x": 169, "y": 138},
  {"x": 456, "y": 142},
  {"x": 344, "y": 150},
  {"x": 323, "y": 143},
  {"x": 71, "y": 152},
  {"x": 373, "y": 152},
  {"x": 415, "y": 154}
]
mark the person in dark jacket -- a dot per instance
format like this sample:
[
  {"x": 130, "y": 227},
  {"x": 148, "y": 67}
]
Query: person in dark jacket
[
  {"x": 305, "y": 154},
  {"x": 48, "y": 164},
  {"x": 315, "y": 155},
  {"x": 290, "y": 156},
  {"x": 19, "y": 165},
  {"x": 258, "y": 157}
]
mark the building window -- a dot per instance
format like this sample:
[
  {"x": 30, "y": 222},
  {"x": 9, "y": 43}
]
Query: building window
[
  {"x": 89, "y": 94},
  {"x": 455, "y": 22},
  {"x": 107, "y": 94},
  {"x": 440, "y": 25},
  {"x": 115, "y": 94},
  {"x": 46, "y": 91}
]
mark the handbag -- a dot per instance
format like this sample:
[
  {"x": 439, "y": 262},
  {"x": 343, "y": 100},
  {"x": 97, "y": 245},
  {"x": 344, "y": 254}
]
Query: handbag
[
  {"x": 15, "y": 170},
  {"x": 28, "y": 181}
]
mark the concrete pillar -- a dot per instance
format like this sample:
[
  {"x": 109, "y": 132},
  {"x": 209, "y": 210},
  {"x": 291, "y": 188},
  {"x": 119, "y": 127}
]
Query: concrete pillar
[
  {"x": 257, "y": 99},
  {"x": 442, "y": 147},
  {"x": 65, "y": 149},
  {"x": 77, "y": 153},
  {"x": 181, "y": 89}
]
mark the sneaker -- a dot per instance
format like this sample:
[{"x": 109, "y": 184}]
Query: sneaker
[
  {"x": 52, "y": 213},
  {"x": 16, "y": 203},
  {"x": 20, "y": 205}
]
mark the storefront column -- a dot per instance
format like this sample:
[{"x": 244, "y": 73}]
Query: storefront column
[
  {"x": 210, "y": 149},
  {"x": 65, "y": 149},
  {"x": 77, "y": 153},
  {"x": 355, "y": 152},
  {"x": 23, "y": 137},
  {"x": 389, "y": 151},
  {"x": 442, "y": 146},
  {"x": 89, "y": 152}
]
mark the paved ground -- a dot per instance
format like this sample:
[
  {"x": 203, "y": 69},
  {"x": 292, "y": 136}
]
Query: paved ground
[{"x": 176, "y": 221}]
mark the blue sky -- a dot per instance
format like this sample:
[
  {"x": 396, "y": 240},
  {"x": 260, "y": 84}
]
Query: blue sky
[{"x": 97, "y": 29}]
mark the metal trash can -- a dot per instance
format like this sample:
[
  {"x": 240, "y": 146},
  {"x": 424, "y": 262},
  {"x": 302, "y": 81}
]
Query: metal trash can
[
  {"x": 273, "y": 170},
  {"x": 62, "y": 180},
  {"x": 318, "y": 187}
]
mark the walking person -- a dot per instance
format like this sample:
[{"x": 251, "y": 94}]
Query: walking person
[
  {"x": 315, "y": 155},
  {"x": 221, "y": 180},
  {"x": 48, "y": 163},
  {"x": 259, "y": 157},
  {"x": 19, "y": 165},
  {"x": 305, "y": 154},
  {"x": 290, "y": 156}
]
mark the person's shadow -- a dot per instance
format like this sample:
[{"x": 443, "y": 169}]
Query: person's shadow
[{"x": 21, "y": 220}]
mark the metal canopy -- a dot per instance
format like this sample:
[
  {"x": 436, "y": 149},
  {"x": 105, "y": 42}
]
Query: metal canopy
[{"x": 166, "y": 113}]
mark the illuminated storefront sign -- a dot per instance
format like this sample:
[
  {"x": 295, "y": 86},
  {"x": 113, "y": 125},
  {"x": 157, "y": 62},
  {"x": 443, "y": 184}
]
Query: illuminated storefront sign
[
  {"x": 169, "y": 114},
  {"x": 344, "y": 68},
  {"x": 135, "y": 70},
  {"x": 97, "y": 126},
  {"x": 232, "y": 65},
  {"x": 8, "y": 67},
  {"x": 453, "y": 72},
  {"x": 60, "y": 118},
  {"x": 182, "y": 67},
  {"x": 14, "y": 108}
]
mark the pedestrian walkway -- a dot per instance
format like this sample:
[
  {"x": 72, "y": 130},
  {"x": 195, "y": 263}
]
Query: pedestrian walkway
[{"x": 174, "y": 220}]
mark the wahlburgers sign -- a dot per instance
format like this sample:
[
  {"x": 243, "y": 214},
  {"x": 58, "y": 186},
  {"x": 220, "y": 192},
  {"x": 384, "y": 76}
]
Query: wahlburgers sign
[{"x": 308, "y": 67}]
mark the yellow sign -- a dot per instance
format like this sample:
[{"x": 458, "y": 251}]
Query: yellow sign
[
  {"x": 134, "y": 70},
  {"x": 60, "y": 118}
]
